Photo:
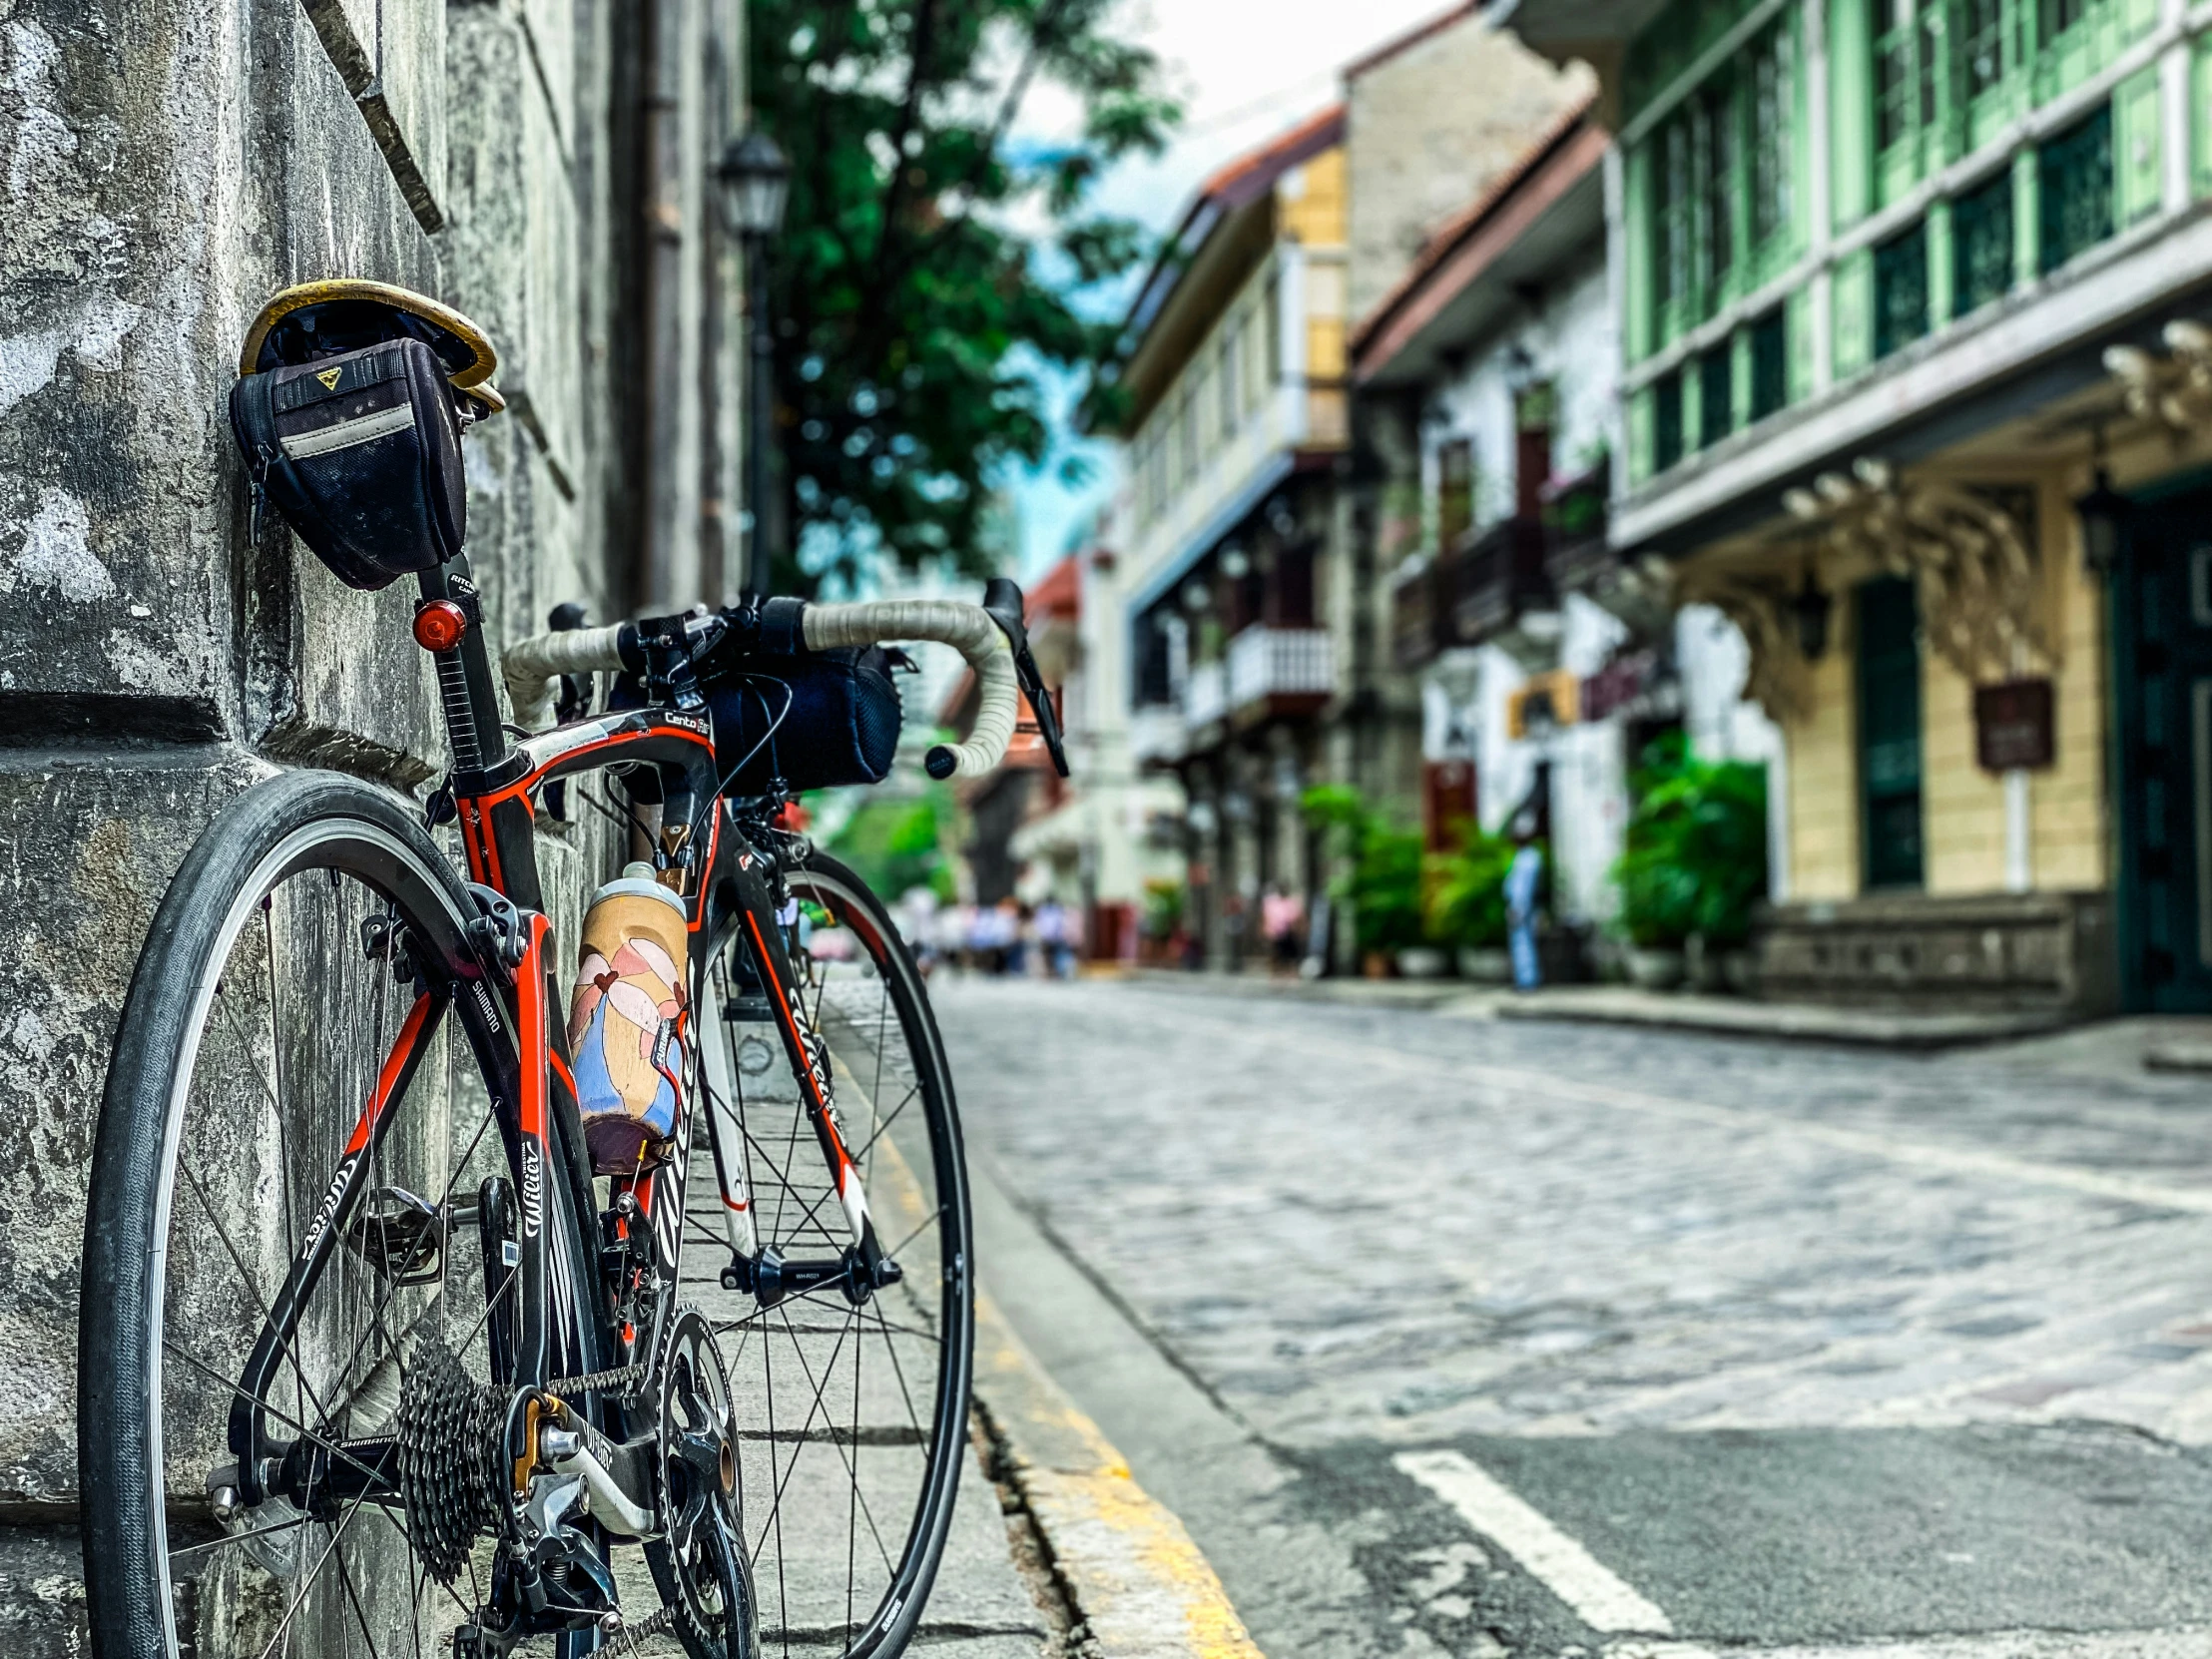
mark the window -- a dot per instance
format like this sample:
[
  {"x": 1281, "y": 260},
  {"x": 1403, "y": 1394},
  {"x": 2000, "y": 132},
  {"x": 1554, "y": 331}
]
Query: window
[
  {"x": 1230, "y": 375},
  {"x": 2075, "y": 172},
  {"x": 1889, "y": 732},
  {"x": 1769, "y": 365},
  {"x": 1979, "y": 48},
  {"x": 1721, "y": 175},
  {"x": 1454, "y": 491},
  {"x": 1666, "y": 421},
  {"x": 1272, "y": 323},
  {"x": 1900, "y": 291},
  {"x": 2058, "y": 16},
  {"x": 1714, "y": 160},
  {"x": 1536, "y": 412},
  {"x": 1772, "y": 120},
  {"x": 1982, "y": 244},
  {"x": 1716, "y": 402},
  {"x": 1186, "y": 437},
  {"x": 1671, "y": 258}
]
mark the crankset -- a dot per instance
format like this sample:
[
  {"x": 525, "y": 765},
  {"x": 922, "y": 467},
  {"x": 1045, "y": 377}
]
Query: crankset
[{"x": 699, "y": 1560}]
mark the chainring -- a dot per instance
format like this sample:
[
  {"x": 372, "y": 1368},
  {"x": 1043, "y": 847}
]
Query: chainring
[{"x": 700, "y": 1560}]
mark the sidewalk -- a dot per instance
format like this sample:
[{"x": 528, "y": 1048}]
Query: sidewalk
[
  {"x": 1056, "y": 1553},
  {"x": 2165, "y": 1043}
]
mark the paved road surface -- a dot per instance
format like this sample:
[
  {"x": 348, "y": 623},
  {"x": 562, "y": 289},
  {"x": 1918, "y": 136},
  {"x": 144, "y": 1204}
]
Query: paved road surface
[{"x": 1455, "y": 1336}]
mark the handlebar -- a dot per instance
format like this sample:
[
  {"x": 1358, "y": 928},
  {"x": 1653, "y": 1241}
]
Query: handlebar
[{"x": 998, "y": 654}]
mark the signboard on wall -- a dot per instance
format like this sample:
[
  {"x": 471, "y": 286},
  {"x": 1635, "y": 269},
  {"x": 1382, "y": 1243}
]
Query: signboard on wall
[
  {"x": 2013, "y": 726},
  {"x": 1542, "y": 704}
]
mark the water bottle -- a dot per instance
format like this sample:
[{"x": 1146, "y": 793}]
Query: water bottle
[{"x": 625, "y": 1020}]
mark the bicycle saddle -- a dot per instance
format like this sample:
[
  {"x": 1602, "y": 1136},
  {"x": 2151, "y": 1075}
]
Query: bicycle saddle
[{"x": 311, "y": 321}]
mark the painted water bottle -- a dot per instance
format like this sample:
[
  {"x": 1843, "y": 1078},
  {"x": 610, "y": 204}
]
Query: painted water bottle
[{"x": 626, "y": 1020}]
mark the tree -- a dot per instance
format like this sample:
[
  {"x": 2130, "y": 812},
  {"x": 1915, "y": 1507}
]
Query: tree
[{"x": 917, "y": 321}]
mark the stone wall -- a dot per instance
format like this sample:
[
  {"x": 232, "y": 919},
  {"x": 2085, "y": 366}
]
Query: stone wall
[
  {"x": 169, "y": 164},
  {"x": 1428, "y": 125}
]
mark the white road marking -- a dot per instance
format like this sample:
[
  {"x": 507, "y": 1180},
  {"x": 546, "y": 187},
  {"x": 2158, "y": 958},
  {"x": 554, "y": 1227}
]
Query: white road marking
[
  {"x": 1599, "y": 1598},
  {"x": 1952, "y": 1159}
]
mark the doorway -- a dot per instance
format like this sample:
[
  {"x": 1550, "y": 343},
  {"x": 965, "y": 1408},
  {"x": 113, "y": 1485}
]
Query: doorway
[{"x": 2161, "y": 599}]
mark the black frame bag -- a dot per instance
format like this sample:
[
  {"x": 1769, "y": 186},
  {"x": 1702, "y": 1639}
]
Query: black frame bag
[{"x": 361, "y": 453}]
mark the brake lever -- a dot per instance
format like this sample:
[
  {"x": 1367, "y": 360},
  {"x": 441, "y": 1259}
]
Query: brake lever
[{"x": 1003, "y": 600}]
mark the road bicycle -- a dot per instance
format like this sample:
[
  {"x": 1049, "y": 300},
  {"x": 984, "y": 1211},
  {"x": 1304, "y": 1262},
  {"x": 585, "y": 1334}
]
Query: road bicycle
[{"x": 372, "y": 1363}]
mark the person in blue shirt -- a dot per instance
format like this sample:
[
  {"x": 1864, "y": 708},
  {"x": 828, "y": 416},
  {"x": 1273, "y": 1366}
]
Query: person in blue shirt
[{"x": 1523, "y": 881}]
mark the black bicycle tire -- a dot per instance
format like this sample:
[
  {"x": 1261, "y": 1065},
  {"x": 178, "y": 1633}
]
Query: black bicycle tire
[
  {"x": 935, "y": 1509},
  {"x": 125, "y": 1567}
]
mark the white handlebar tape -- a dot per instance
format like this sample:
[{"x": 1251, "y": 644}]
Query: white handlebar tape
[
  {"x": 969, "y": 630},
  {"x": 531, "y": 666}
]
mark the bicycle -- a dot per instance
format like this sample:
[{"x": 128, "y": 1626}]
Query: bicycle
[{"x": 372, "y": 1363}]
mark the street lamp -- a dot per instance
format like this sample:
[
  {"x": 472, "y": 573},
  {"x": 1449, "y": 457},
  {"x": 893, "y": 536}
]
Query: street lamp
[
  {"x": 2104, "y": 515},
  {"x": 756, "y": 183},
  {"x": 1810, "y": 610}
]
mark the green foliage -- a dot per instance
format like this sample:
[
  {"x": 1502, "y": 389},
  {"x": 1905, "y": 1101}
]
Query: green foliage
[
  {"x": 1466, "y": 900},
  {"x": 1381, "y": 879},
  {"x": 1163, "y": 907},
  {"x": 896, "y": 845},
  {"x": 1696, "y": 857},
  {"x": 917, "y": 327}
]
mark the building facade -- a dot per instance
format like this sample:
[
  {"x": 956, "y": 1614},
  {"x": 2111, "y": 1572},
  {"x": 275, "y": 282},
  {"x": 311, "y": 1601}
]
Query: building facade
[
  {"x": 1257, "y": 538},
  {"x": 1548, "y": 664},
  {"x": 547, "y": 170},
  {"x": 1236, "y": 420},
  {"x": 1899, "y": 289}
]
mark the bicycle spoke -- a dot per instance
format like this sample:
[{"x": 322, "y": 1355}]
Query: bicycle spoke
[
  {"x": 229, "y": 1539},
  {"x": 276, "y": 1412}
]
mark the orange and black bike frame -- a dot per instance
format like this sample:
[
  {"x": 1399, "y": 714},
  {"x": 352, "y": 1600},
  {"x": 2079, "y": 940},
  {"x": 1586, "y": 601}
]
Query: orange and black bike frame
[{"x": 503, "y": 978}]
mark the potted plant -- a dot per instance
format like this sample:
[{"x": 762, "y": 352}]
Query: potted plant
[
  {"x": 1695, "y": 863},
  {"x": 1380, "y": 881},
  {"x": 1465, "y": 905}
]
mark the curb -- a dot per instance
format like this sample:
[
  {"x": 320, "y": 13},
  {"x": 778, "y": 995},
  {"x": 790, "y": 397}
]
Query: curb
[{"x": 1140, "y": 1585}]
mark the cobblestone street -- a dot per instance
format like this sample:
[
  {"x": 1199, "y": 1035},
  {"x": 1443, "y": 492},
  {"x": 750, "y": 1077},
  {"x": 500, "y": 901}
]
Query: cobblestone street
[{"x": 1472, "y": 1335}]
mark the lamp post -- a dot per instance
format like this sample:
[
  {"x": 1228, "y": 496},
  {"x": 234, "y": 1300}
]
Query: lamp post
[
  {"x": 2104, "y": 515},
  {"x": 756, "y": 181},
  {"x": 1810, "y": 610}
]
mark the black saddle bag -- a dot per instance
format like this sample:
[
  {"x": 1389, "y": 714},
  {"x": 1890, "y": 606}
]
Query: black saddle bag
[{"x": 361, "y": 453}]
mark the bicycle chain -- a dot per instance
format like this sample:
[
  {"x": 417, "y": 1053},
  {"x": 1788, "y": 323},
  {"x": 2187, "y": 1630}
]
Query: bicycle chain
[{"x": 623, "y": 1380}]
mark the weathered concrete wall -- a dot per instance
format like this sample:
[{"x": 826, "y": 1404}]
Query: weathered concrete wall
[
  {"x": 1426, "y": 127},
  {"x": 167, "y": 164}
]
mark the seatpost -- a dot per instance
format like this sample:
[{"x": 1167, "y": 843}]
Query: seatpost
[{"x": 465, "y": 685}]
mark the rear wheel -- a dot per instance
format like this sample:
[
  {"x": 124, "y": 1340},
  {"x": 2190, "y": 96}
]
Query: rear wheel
[
  {"x": 275, "y": 984},
  {"x": 851, "y": 1417}
]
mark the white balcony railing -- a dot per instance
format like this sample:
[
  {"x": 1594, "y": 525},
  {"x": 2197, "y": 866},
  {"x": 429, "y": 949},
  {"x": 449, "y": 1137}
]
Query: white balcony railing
[
  {"x": 1280, "y": 662},
  {"x": 1157, "y": 732},
  {"x": 1205, "y": 694}
]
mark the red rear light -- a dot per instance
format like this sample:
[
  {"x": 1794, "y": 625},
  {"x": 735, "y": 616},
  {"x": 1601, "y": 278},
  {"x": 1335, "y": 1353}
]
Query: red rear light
[{"x": 439, "y": 625}]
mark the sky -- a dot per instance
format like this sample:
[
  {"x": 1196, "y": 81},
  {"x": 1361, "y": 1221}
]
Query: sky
[{"x": 1245, "y": 70}]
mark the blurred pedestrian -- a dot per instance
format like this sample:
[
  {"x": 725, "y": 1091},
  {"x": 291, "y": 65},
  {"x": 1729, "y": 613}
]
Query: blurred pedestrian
[
  {"x": 1524, "y": 880},
  {"x": 1281, "y": 918},
  {"x": 1056, "y": 939}
]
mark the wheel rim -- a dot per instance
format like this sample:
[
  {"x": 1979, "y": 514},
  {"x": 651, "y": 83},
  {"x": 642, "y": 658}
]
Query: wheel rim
[
  {"x": 288, "y": 1023},
  {"x": 850, "y": 1420}
]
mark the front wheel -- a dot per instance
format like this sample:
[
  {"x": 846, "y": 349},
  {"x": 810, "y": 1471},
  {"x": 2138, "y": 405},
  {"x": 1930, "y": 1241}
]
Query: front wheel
[{"x": 850, "y": 1411}]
